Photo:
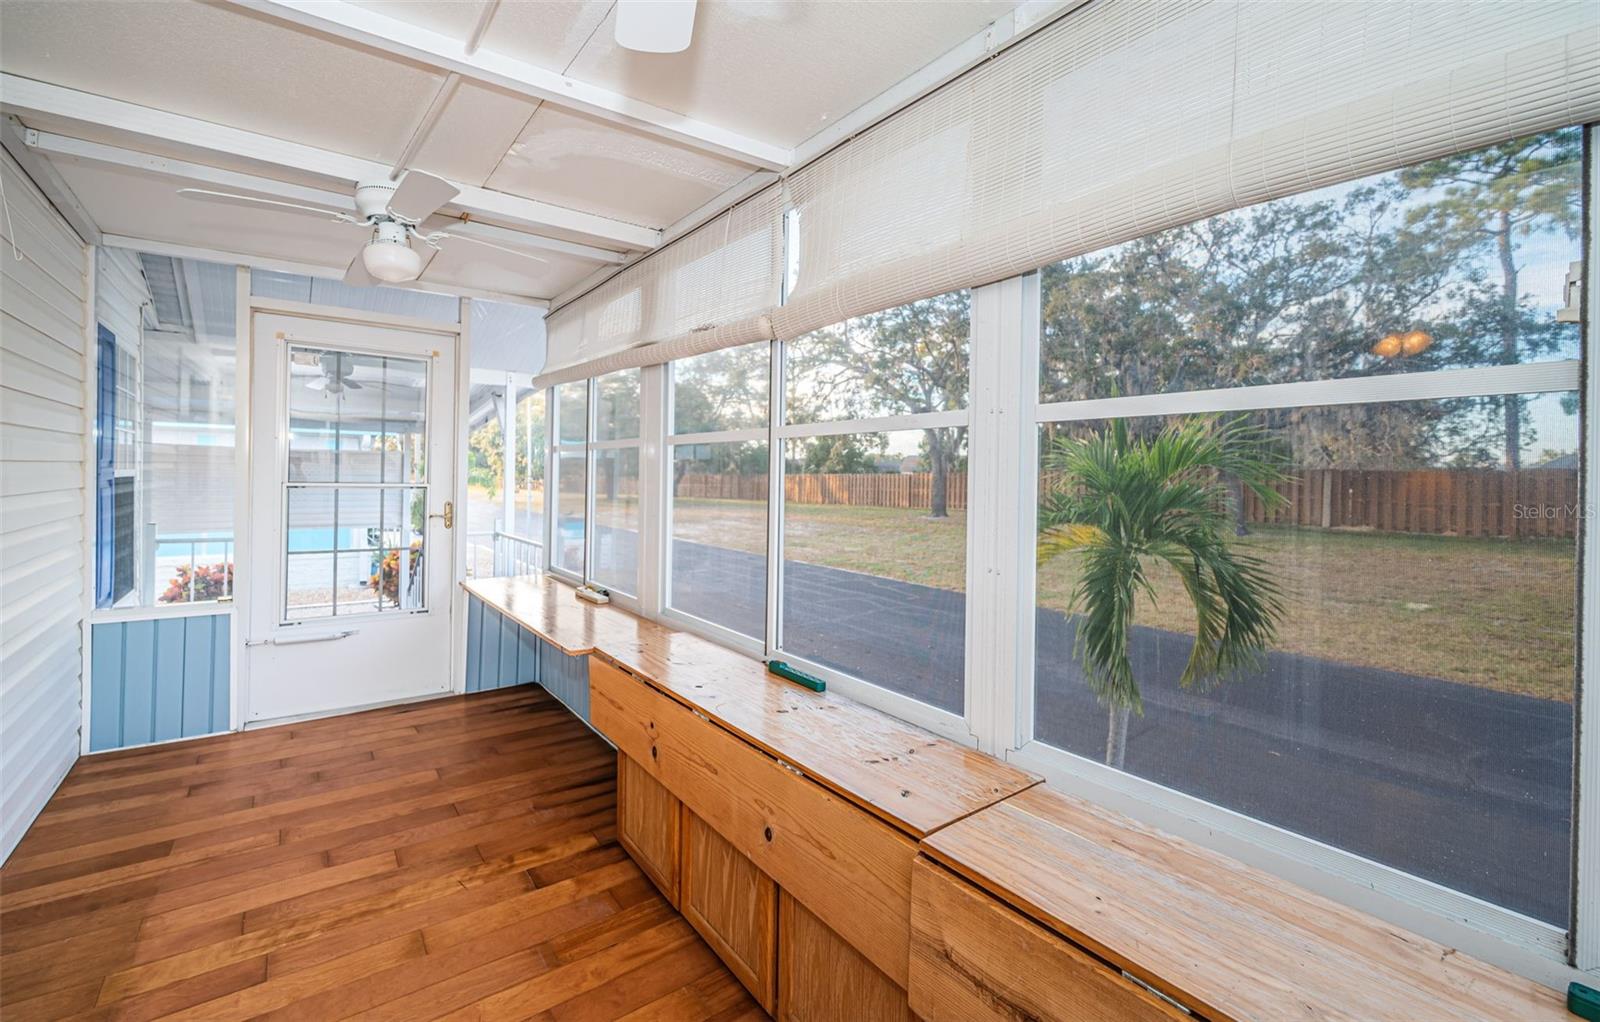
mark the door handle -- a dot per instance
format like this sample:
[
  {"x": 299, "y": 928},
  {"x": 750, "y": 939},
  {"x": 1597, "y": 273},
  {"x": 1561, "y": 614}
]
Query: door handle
[
  {"x": 449, "y": 514},
  {"x": 300, "y": 640}
]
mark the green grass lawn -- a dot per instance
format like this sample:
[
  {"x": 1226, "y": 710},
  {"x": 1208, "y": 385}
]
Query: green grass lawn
[{"x": 1490, "y": 612}]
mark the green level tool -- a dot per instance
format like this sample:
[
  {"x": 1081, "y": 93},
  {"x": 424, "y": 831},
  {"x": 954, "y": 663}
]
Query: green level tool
[
  {"x": 810, "y": 681},
  {"x": 1583, "y": 1001}
]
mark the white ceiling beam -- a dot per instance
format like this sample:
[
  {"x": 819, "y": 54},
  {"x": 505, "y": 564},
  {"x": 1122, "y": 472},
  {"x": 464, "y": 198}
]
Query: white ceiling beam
[
  {"x": 212, "y": 255},
  {"x": 13, "y": 138},
  {"x": 497, "y": 235},
  {"x": 77, "y": 150},
  {"x": 66, "y": 149},
  {"x": 24, "y": 96},
  {"x": 367, "y": 27}
]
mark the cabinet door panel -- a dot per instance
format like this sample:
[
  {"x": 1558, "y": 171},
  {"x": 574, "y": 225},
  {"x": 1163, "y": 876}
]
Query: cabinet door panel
[
  {"x": 973, "y": 959},
  {"x": 849, "y": 868},
  {"x": 734, "y": 906},
  {"x": 823, "y": 979},
  {"x": 648, "y": 821}
]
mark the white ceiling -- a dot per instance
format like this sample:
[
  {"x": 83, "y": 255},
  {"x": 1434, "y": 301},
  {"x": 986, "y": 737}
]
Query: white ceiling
[
  {"x": 782, "y": 71},
  {"x": 771, "y": 71},
  {"x": 574, "y": 160}
]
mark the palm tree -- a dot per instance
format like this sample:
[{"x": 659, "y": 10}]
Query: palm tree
[{"x": 1123, "y": 503}]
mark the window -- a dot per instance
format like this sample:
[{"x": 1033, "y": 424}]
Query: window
[
  {"x": 616, "y": 415},
  {"x": 165, "y": 450},
  {"x": 572, "y": 475},
  {"x": 875, "y": 559},
  {"x": 1295, "y": 289},
  {"x": 616, "y": 519},
  {"x": 874, "y": 499},
  {"x": 486, "y": 471},
  {"x": 355, "y": 485},
  {"x": 572, "y": 404},
  {"x": 718, "y": 508},
  {"x": 1392, "y": 539},
  {"x": 614, "y": 555},
  {"x": 526, "y": 518},
  {"x": 505, "y": 477}
]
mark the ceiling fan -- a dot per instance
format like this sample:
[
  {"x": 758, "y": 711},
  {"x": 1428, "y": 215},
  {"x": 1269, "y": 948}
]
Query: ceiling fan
[
  {"x": 655, "y": 26},
  {"x": 391, "y": 212},
  {"x": 336, "y": 372}
]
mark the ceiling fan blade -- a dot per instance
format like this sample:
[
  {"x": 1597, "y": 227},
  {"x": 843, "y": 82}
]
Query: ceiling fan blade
[
  {"x": 489, "y": 244},
  {"x": 230, "y": 199},
  {"x": 420, "y": 195},
  {"x": 320, "y": 383},
  {"x": 655, "y": 26},
  {"x": 356, "y": 275}
]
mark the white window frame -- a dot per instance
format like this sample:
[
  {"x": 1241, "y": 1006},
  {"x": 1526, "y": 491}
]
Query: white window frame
[
  {"x": 628, "y": 597},
  {"x": 1345, "y": 875},
  {"x": 954, "y": 726},
  {"x": 665, "y": 388},
  {"x": 1001, "y": 685},
  {"x": 554, "y": 448},
  {"x": 588, "y": 448}
]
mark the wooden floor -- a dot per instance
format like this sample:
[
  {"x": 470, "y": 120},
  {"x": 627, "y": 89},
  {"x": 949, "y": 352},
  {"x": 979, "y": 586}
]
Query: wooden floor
[{"x": 455, "y": 858}]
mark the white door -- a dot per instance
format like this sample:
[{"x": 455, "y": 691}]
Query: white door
[{"x": 348, "y": 592}]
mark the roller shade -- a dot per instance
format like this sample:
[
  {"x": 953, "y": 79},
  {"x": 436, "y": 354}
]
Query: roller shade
[
  {"x": 1124, "y": 118},
  {"x": 1132, "y": 116},
  {"x": 710, "y": 289}
]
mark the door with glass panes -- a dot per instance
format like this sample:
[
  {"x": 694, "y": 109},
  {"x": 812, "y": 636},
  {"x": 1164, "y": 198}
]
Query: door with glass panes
[{"x": 348, "y": 586}]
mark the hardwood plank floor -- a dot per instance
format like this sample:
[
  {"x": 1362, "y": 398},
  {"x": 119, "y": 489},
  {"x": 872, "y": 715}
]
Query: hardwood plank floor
[{"x": 449, "y": 859}]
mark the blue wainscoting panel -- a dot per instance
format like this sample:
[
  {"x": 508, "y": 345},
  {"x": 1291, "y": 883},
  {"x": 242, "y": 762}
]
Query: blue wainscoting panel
[
  {"x": 158, "y": 679},
  {"x": 501, "y": 653},
  {"x": 565, "y": 677}
]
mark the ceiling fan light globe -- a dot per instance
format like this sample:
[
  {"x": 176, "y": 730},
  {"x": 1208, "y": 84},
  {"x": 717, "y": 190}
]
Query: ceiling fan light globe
[{"x": 391, "y": 262}]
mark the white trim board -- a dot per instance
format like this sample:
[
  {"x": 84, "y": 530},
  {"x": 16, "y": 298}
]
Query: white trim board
[
  {"x": 81, "y": 151},
  {"x": 367, "y": 27},
  {"x": 25, "y": 96}
]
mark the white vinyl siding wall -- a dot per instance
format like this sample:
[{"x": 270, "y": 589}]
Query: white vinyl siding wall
[{"x": 44, "y": 363}]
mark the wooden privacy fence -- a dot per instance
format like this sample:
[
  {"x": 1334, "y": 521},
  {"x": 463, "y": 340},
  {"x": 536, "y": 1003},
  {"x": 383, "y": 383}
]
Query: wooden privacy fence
[
  {"x": 865, "y": 489},
  {"x": 1540, "y": 502}
]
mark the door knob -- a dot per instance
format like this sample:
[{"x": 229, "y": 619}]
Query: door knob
[{"x": 449, "y": 514}]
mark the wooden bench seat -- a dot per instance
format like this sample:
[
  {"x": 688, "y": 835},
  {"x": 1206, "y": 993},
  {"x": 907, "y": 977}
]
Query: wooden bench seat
[
  {"x": 915, "y": 780},
  {"x": 1222, "y": 939}
]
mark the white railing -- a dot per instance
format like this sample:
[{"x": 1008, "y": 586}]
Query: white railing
[
  {"x": 166, "y": 568},
  {"x": 517, "y": 555},
  {"x": 498, "y": 554}
]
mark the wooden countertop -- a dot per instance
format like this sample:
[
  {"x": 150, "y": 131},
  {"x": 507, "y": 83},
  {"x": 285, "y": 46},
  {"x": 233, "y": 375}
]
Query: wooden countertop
[
  {"x": 1230, "y": 941},
  {"x": 907, "y": 776}
]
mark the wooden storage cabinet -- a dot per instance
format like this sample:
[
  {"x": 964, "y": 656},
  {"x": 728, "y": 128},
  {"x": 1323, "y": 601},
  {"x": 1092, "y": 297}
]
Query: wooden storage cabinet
[
  {"x": 852, "y": 870},
  {"x": 734, "y": 906},
  {"x": 821, "y": 978},
  {"x": 649, "y": 821},
  {"x": 974, "y": 958}
]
